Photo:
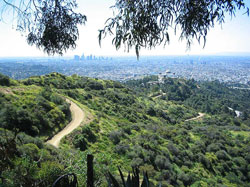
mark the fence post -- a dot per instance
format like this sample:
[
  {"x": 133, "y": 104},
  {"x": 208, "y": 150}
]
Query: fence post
[{"x": 90, "y": 171}]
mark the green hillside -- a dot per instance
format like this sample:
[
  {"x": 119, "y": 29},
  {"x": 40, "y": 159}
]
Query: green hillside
[{"x": 181, "y": 132}]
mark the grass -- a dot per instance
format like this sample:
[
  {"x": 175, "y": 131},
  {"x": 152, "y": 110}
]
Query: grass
[
  {"x": 194, "y": 137},
  {"x": 241, "y": 133}
]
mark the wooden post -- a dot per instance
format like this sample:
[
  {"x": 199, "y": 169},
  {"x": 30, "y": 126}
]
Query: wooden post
[{"x": 90, "y": 171}]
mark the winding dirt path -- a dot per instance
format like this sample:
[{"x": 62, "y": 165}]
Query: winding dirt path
[
  {"x": 195, "y": 118},
  {"x": 77, "y": 117},
  {"x": 155, "y": 97}
]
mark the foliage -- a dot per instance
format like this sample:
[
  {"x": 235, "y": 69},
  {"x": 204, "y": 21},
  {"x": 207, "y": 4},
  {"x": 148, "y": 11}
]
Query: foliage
[
  {"x": 27, "y": 164},
  {"x": 66, "y": 180},
  {"x": 132, "y": 180},
  {"x": 147, "y": 23},
  {"x": 4, "y": 80},
  {"x": 51, "y": 25},
  {"x": 35, "y": 111},
  {"x": 132, "y": 126},
  {"x": 209, "y": 97}
]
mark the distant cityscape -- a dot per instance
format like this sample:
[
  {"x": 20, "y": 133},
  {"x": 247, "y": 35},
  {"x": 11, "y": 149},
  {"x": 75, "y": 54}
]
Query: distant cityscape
[
  {"x": 90, "y": 57},
  {"x": 228, "y": 69}
]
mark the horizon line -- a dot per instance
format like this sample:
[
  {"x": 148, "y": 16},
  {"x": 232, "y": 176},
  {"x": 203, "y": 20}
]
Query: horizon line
[{"x": 225, "y": 54}]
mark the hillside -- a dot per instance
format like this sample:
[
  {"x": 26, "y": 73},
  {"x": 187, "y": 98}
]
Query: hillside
[{"x": 154, "y": 127}]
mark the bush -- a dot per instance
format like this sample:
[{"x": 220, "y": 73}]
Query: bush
[
  {"x": 94, "y": 85},
  {"x": 121, "y": 148},
  {"x": 162, "y": 162},
  {"x": 115, "y": 136},
  {"x": 30, "y": 150},
  {"x": 80, "y": 142},
  {"x": 56, "y": 99},
  {"x": 127, "y": 129},
  {"x": 173, "y": 149},
  {"x": 151, "y": 111},
  {"x": 49, "y": 172},
  {"x": 222, "y": 155},
  {"x": 88, "y": 134},
  {"x": 4, "y": 80},
  {"x": 136, "y": 162}
]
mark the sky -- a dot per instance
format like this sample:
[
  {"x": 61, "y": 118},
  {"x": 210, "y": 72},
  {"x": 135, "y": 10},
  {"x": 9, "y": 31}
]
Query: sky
[{"x": 232, "y": 36}]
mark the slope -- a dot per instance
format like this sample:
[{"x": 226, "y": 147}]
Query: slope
[{"x": 132, "y": 129}]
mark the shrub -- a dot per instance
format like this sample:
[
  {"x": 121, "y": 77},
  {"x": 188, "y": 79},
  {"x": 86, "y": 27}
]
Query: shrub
[
  {"x": 222, "y": 155},
  {"x": 30, "y": 150},
  {"x": 94, "y": 85},
  {"x": 136, "y": 162},
  {"x": 121, "y": 148},
  {"x": 80, "y": 142},
  {"x": 127, "y": 129},
  {"x": 4, "y": 80},
  {"x": 173, "y": 149},
  {"x": 162, "y": 162},
  {"x": 88, "y": 134},
  {"x": 151, "y": 111},
  {"x": 49, "y": 172},
  {"x": 115, "y": 136}
]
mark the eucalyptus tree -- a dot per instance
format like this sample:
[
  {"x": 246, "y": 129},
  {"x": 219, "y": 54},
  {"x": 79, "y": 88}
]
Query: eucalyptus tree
[
  {"x": 52, "y": 24},
  {"x": 146, "y": 23}
]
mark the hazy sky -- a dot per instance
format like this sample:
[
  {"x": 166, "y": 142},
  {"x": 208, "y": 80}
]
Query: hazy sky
[{"x": 233, "y": 36}]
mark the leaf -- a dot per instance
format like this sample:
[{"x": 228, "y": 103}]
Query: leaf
[
  {"x": 100, "y": 37},
  {"x": 135, "y": 177},
  {"x": 129, "y": 181},
  {"x": 113, "y": 180},
  {"x": 145, "y": 182},
  {"x": 122, "y": 177}
]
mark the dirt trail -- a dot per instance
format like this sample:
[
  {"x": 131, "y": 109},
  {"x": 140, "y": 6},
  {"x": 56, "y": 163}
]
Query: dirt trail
[
  {"x": 78, "y": 116},
  {"x": 195, "y": 118},
  {"x": 159, "y": 95}
]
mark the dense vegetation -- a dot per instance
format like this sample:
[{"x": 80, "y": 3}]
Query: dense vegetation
[
  {"x": 139, "y": 124},
  {"x": 209, "y": 97},
  {"x": 37, "y": 111}
]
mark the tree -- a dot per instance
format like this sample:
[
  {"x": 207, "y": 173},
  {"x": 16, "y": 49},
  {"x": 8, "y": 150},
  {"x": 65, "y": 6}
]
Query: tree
[
  {"x": 146, "y": 23},
  {"x": 52, "y": 25}
]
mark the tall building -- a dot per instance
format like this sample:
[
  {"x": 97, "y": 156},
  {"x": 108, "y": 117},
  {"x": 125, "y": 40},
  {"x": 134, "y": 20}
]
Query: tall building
[
  {"x": 83, "y": 57},
  {"x": 76, "y": 57}
]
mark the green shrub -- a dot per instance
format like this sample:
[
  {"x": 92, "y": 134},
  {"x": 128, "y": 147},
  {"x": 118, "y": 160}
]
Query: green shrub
[
  {"x": 115, "y": 136},
  {"x": 4, "y": 80},
  {"x": 30, "y": 150},
  {"x": 80, "y": 142},
  {"x": 121, "y": 148}
]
